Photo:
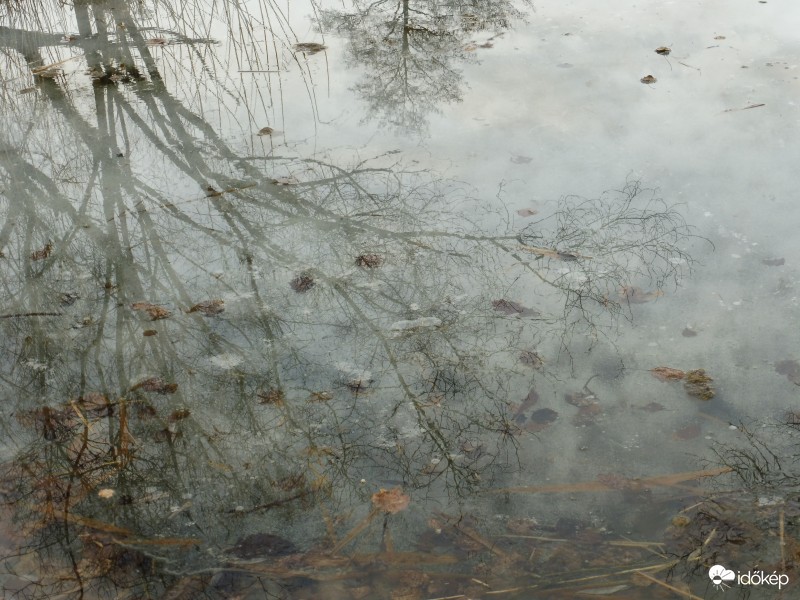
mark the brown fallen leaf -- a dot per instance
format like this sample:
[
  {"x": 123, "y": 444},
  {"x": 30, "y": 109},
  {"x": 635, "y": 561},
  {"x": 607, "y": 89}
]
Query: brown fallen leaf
[
  {"x": 43, "y": 253},
  {"x": 266, "y": 131},
  {"x": 531, "y": 359},
  {"x": 319, "y": 396},
  {"x": 698, "y": 385},
  {"x": 391, "y": 501},
  {"x": 209, "y": 307},
  {"x": 154, "y": 312},
  {"x": 157, "y": 41},
  {"x": 179, "y": 415},
  {"x": 157, "y": 385},
  {"x": 527, "y": 212},
  {"x": 509, "y": 307},
  {"x": 667, "y": 374},
  {"x": 272, "y": 396},
  {"x": 648, "y": 79},
  {"x": 663, "y": 51},
  {"x": 580, "y": 399},
  {"x": 309, "y": 47},
  {"x": 369, "y": 261},
  {"x": 149, "y": 332},
  {"x": 302, "y": 283}
]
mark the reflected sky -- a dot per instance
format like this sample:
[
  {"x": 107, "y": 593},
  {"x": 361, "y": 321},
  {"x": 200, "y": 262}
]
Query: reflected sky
[{"x": 248, "y": 283}]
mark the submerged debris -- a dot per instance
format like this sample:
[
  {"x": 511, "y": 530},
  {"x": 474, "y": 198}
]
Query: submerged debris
[
  {"x": 153, "y": 311},
  {"x": 509, "y": 307},
  {"x": 43, "y": 253},
  {"x": 309, "y": 47},
  {"x": 369, "y": 261},
  {"x": 698, "y": 384},
  {"x": 391, "y": 501},
  {"x": 157, "y": 385},
  {"x": 271, "y": 396},
  {"x": 302, "y": 283},
  {"x": 667, "y": 373},
  {"x": 209, "y": 307}
]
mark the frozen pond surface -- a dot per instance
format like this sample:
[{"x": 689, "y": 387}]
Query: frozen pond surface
[{"x": 363, "y": 299}]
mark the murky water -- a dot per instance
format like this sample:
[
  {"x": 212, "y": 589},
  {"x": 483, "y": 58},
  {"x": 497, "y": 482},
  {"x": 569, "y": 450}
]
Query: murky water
[{"x": 362, "y": 300}]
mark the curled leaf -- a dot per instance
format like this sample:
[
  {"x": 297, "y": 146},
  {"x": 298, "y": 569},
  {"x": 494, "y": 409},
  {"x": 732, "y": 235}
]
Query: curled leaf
[
  {"x": 648, "y": 79},
  {"x": 266, "y": 131},
  {"x": 663, "y": 51},
  {"x": 698, "y": 384},
  {"x": 391, "y": 501}
]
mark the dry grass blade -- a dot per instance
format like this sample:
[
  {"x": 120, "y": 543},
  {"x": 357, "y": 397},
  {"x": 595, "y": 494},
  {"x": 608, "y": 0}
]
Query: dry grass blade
[
  {"x": 356, "y": 530},
  {"x": 597, "y": 486},
  {"x": 678, "y": 591}
]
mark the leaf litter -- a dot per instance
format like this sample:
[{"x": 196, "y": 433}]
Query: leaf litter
[{"x": 154, "y": 311}]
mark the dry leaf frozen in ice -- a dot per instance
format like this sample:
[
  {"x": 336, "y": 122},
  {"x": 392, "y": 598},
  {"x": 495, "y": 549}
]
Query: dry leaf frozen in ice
[
  {"x": 309, "y": 47},
  {"x": 391, "y": 501},
  {"x": 527, "y": 212},
  {"x": 209, "y": 307},
  {"x": 157, "y": 385},
  {"x": 369, "y": 261},
  {"x": 43, "y": 253},
  {"x": 302, "y": 283},
  {"x": 530, "y": 359},
  {"x": 698, "y": 384},
  {"x": 667, "y": 374},
  {"x": 271, "y": 396},
  {"x": 648, "y": 79},
  {"x": 663, "y": 51},
  {"x": 266, "y": 131},
  {"x": 153, "y": 311},
  {"x": 509, "y": 307}
]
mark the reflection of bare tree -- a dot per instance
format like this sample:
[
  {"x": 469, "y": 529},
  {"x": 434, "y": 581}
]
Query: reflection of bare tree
[
  {"x": 411, "y": 50},
  {"x": 199, "y": 342}
]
